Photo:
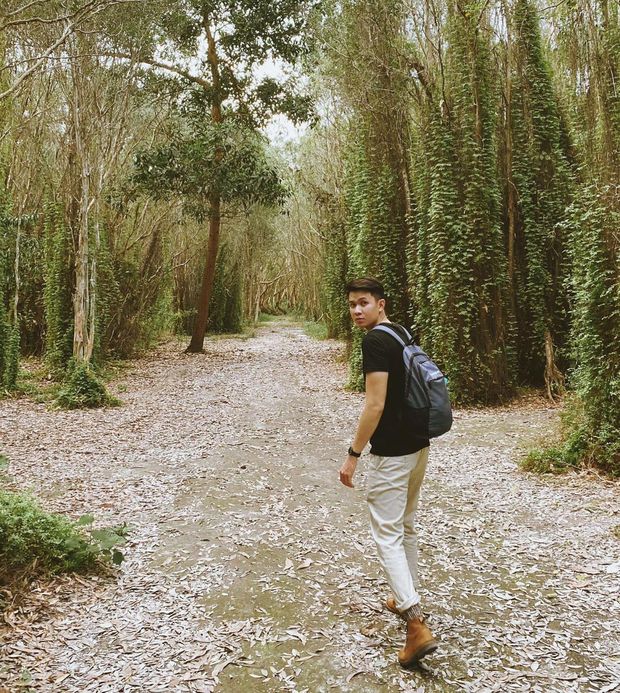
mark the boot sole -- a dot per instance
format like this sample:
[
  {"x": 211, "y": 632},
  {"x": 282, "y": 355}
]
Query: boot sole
[{"x": 422, "y": 652}]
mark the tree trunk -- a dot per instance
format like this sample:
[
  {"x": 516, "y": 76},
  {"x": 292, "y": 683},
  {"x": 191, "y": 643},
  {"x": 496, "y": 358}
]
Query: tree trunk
[
  {"x": 200, "y": 326},
  {"x": 511, "y": 201},
  {"x": 82, "y": 339}
]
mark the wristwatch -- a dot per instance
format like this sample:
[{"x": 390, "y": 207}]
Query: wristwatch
[{"x": 353, "y": 453}]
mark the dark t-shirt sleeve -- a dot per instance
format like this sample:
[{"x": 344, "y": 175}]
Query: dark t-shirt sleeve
[{"x": 375, "y": 356}]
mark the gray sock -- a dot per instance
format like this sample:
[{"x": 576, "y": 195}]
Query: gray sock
[{"x": 412, "y": 612}]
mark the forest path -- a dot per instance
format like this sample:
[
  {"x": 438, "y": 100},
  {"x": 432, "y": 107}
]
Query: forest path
[{"x": 250, "y": 568}]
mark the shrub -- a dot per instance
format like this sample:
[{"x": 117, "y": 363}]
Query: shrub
[
  {"x": 83, "y": 389},
  {"x": 34, "y": 542},
  {"x": 578, "y": 446}
]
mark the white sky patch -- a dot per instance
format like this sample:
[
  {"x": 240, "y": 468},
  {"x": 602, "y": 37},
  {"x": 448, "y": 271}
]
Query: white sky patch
[{"x": 281, "y": 131}]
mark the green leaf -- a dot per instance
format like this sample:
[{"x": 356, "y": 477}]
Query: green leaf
[{"x": 85, "y": 520}]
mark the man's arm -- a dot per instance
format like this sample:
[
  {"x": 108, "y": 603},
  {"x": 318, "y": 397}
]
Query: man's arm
[{"x": 376, "y": 390}]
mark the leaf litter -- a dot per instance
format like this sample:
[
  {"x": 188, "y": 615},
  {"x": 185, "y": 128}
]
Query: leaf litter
[{"x": 250, "y": 568}]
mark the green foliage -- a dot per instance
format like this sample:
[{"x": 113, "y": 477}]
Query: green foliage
[
  {"x": 11, "y": 359},
  {"x": 552, "y": 460},
  {"x": 204, "y": 159},
  {"x": 266, "y": 317},
  {"x": 132, "y": 313},
  {"x": 33, "y": 541},
  {"x": 248, "y": 33},
  {"x": 375, "y": 238},
  {"x": 592, "y": 428},
  {"x": 316, "y": 330},
  {"x": 335, "y": 270},
  {"x": 356, "y": 376},
  {"x": 226, "y": 310},
  {"x": 580, "y": 446},
  {"x": 5, "y": 331},
  {"x": 456, "y": 260},
  {"x": 9, "y": 333},
  {"x": 541, "y": 181},
  {"x": 593, "y": 223},
  {"x": 82, "y": 389}
]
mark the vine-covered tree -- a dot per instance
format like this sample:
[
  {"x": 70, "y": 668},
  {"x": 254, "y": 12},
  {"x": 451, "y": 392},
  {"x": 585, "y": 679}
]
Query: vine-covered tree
[{"x": 537, "y": 193}]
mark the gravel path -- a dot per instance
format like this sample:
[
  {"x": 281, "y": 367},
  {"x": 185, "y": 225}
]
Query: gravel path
[{"x": 250, "y": 568}]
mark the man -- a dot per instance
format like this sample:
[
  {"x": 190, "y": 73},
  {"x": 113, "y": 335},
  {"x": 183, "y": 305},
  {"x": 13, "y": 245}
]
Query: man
[{"x": 397, "y": 462}]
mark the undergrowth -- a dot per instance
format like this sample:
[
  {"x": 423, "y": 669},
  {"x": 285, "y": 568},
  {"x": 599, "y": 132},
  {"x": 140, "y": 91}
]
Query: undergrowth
[
  {"x": 315, "y": 329},
  {"x": 83, "y": 389},
  {"x": 576, "y": 448},
  {"x": 34, "y": 542}
]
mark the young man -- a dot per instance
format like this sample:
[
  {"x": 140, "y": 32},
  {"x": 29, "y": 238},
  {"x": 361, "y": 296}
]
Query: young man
[{"x": 397, "y": 463}]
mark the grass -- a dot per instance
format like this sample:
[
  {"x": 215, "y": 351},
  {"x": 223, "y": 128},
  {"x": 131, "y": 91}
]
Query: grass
[
  {"x": 267, "y": 317},
  {"x": 315, "y": 329},
  {"x": 552, "y": 460}
]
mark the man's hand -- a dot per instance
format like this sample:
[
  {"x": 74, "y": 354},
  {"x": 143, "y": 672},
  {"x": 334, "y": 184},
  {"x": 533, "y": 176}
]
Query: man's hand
[{"x": 348, "y": 470}]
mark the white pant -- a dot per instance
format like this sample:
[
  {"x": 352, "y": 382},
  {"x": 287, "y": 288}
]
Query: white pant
[{"x": 393, "y": 491}]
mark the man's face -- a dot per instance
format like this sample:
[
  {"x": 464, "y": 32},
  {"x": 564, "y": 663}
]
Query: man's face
[{"x": 366, "y": 310}]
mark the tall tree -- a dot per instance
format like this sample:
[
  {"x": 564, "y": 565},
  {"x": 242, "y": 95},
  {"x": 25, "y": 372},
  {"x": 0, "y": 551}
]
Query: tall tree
[
  {"x": 51, "y": 24},
  {"x": 589, "y": 51},
  {"x": 239, "y": 38},
  {"x": 538, "y": 190},
  {"x": 458, "y": 262}
]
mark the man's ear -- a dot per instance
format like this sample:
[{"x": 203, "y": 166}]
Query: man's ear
[{"x": 381, "y": 303}]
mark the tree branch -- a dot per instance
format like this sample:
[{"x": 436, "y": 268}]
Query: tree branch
[
  {"x": 163, "y": 66},
  {"x": 25, "y": 7},
  {"x": 88, "y": 10}
]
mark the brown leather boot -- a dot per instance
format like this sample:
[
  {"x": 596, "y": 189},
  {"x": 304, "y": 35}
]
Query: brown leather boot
[
  {"x": 420, "y": 640},
  {"x": 390, "y": 605}
]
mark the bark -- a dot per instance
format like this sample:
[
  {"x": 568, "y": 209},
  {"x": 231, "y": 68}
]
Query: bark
[
  {"x": 554, "y": 380},
  {"x": 82, "y": 340},
  {"x": 200, "y": 326},
  {"x": 215, "y": 204}
]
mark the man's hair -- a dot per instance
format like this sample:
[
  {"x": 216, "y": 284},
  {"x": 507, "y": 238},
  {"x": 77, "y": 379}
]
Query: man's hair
[{"x": 369, "y": 284}]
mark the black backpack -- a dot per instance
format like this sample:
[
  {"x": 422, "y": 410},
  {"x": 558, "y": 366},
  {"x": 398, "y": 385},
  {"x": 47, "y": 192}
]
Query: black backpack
[{"x": 426, "y": 387}]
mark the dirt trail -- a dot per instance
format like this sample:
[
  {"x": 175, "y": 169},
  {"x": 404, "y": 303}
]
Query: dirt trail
[{"x": 251, "y": 569}]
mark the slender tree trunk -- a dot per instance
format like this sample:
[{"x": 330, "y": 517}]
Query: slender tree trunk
[
  {"x": 215, "y": 221},
  {"x": 511, "y": 198},
  {"x": 82, "y": 297},
  {"x": 200, "y": 326}
]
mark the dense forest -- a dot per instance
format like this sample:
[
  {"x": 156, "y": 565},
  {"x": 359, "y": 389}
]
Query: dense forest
[{"x": 464, "y": 152}]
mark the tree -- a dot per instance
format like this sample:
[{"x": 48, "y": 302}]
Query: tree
[
  {"x": 457, "y": 262},
  {"x": 538, "y": 185},
  {"x": 239, "y": 37},
  {"x": 51, "y": 23},
  {"x": 203, "y": 162}
]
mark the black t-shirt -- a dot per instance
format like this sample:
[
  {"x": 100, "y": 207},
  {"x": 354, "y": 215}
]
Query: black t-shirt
[{"x": 394, "y": 434}]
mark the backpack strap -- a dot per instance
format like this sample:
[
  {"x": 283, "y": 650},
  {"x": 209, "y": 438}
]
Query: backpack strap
[{"x": 384, "y": 327}]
